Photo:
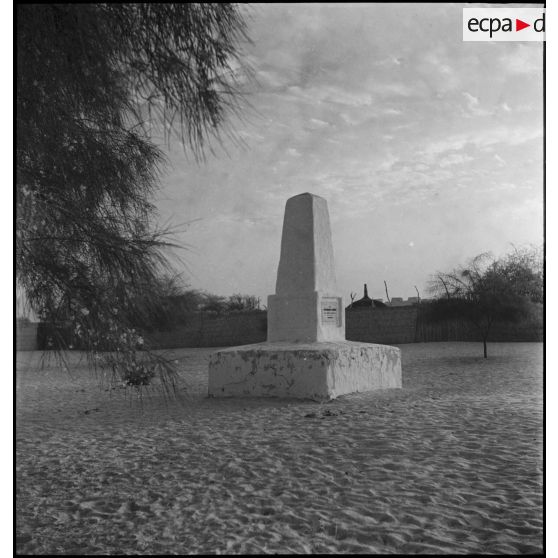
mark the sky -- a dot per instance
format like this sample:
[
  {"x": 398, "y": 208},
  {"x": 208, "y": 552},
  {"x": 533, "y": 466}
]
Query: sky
[{"x": 428, "y": 149}]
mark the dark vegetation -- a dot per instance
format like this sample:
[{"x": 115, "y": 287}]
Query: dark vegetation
[
  {"x": 96, "y": 84},
  {"x": 488, "y": 290}
]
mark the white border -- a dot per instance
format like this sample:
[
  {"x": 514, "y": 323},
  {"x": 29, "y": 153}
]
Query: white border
[
  {"x": 551, "y": 277},
  {"x": 6, "y": 308}
]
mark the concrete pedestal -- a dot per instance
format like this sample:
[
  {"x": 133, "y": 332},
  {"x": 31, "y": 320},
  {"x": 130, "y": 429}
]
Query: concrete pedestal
[{"x": 318, "y": 371}]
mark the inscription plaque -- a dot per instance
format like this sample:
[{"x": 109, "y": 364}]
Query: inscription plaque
[{"x": 330, "y": 311}]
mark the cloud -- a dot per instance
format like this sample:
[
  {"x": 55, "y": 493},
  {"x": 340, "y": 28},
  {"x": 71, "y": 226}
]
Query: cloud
[
  {"x": 522, "y": 59},
  {"x": 317, "y": 124},
  {"x": 471, "y": 100},
  {"x": 392, "y": 111},
  {"x": 454, "y": 159},
  {"x": 390, "y": 61},
  {"x": 400, "y": 130},
  {"x": 390, "y": 89}
]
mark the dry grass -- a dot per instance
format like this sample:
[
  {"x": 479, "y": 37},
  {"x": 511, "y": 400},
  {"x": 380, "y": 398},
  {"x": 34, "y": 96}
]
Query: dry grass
[{"x": 451, "y": 463}]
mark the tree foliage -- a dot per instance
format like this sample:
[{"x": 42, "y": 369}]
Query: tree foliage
[
  {"x": 523, "y": 270},
  {"x": 182, "y": 306},
  {"x": 488, "y": 290},
  {"x": 95, "y": 83},
  {"x": 243, "y": 303}
]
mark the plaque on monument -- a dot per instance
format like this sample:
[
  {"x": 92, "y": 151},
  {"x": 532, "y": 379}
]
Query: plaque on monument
[{"x": 330, "y": 311}]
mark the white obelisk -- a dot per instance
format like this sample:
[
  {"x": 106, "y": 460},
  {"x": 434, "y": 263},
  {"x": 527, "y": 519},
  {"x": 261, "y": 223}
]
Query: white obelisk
[{"x": 306, "y": 307}]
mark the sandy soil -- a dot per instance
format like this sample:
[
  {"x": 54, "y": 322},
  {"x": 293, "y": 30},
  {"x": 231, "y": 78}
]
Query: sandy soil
[{"x": 451, "y": 463}]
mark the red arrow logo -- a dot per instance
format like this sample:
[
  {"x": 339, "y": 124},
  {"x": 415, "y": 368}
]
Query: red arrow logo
[{"x": 519, "y": 25}]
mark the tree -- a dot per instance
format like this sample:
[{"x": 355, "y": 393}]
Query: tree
[
  {"x": 95, "y": 83},
  {"x": 214, "y": 304},
  {"x": 487, "y": 290},
  {"x": 243, "y": 303},
  {"x": 524, "y": 269}
]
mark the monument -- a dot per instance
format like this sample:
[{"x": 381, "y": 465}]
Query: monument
[{"x": 306, "y": 354}]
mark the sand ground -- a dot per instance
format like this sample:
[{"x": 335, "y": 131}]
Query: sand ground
[{"x": 451, "y": 463}]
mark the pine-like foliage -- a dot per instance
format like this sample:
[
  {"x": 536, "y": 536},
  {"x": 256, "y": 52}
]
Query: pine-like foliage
[{"x": 95, "y": 82}]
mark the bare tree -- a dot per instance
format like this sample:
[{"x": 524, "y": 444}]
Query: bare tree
[
  {"x": 482, "y": 292},
  {"x": 242, "y": 303}
]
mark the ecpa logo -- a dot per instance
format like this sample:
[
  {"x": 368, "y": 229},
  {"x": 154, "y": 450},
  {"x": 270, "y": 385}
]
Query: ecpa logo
[{"x": 503, "y": 24}]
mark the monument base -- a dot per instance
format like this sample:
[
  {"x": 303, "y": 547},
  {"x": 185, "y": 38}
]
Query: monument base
[{"x": 303, "y": 370}]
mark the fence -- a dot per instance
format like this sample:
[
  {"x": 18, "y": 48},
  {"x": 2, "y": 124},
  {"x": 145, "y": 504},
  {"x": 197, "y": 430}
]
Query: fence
[
  {"x": 404, "y": 324},
  {"x": 399, "y": 325},
  {"x": 214, "y": 331},
  {"x": 529, "y": 329},
  {"x": 26, "y": 336},
  {"x": 381, "y": 325}
]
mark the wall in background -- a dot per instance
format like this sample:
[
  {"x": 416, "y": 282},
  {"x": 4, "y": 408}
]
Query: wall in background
[{"x": 390, "y": 326}]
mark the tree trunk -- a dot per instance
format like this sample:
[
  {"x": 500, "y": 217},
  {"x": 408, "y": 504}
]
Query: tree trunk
[{"x": 485, "y": 336}]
